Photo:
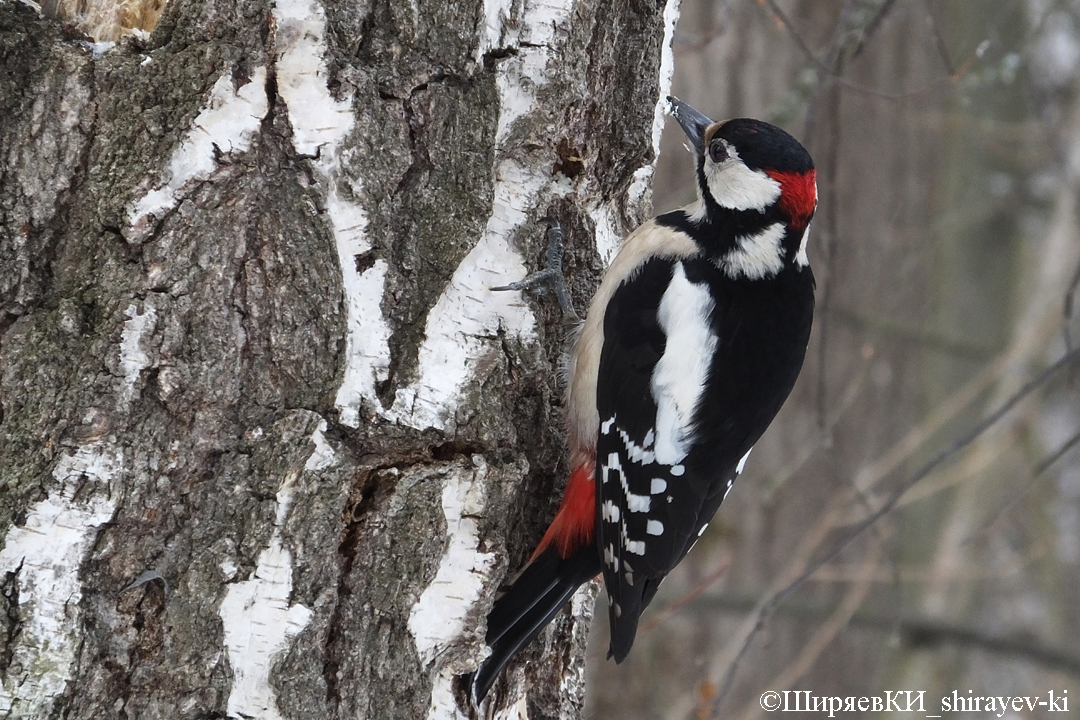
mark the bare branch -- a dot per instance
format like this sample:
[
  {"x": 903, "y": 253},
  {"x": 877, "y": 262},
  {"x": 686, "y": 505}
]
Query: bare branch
[
  {"x": 767, "y": 606},
  {"x": 1070, "y": 297},
  {"x": 872, "y": 26},
  {"x": 920, "y": 632},
  {"x": 939, "y": 40},
  {"x": 1019, "y": 494},
  {"x": 829, "y": 629},
  {"x": 949, "y": 80}
]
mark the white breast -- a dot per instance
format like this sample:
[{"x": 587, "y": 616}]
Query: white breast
[
  {"x": 679, "y": 377},
  {"x": 648, "y": 241}
]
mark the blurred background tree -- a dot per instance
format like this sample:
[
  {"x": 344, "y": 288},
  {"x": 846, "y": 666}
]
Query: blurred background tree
[
  {"x": 910, "y": 522},
  {"x": 946, "y": 247}
]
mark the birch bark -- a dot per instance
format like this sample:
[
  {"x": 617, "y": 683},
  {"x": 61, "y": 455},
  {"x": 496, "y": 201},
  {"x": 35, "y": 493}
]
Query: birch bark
[{"x": 268, "y": 443}]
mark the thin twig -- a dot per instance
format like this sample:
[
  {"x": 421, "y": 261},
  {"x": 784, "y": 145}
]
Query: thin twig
[
  {"x": 949, "y": 80},
  {"x": 767, "y": 606},
  {"x": 919, "y": 631},
  {"x": 1053, "y": 457},
  {"x": 1070, "y": 296},
  {"x": 828, "y": 630},
  {"x": 779, "y": 15},
  {"x": 1036, "y": 472},
  {"x": 832, "y": 235},
  {"x": 939, "y": 40},
  {"x": 872, "y": 27},
  {"x": 686, "y": 599}
]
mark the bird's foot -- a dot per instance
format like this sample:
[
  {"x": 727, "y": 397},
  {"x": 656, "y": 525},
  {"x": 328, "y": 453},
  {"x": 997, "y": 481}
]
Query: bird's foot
[{"x": 551, "y": 277}]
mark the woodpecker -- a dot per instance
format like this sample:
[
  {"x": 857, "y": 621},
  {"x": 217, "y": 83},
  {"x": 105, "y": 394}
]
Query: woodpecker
[{"x": 691, "y": 344}]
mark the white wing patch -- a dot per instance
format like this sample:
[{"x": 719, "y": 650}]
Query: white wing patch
[
  {"x": 638, "y": 453},
  {"x": 742, "y": 463},
  {"x": 679, "y": 377},
  {"x": 612, "y": 465},
  {"x": 757, "y": 256},
  {"x": 637, "y": 503},
  {"x": 610, "y": 558}
]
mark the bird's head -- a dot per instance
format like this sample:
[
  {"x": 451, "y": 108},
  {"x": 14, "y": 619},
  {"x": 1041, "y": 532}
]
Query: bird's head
[{"x": 751, "y": 176}]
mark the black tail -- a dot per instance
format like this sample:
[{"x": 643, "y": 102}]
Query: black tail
[
  {"x": 528, "y": 605},
  {"x": 624, "y": 621}
]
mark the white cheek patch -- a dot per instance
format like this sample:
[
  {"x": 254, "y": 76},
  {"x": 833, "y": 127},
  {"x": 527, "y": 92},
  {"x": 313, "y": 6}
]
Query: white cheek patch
[
  {"x": 679, "y": 377},
  {"x": 736, "y": 187},
  {"x": 757, "y": 256},
  {"x": 800, "y": 258}
]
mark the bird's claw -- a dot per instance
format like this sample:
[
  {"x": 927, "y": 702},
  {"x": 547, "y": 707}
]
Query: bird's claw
[{"x": 552, "y": 275}]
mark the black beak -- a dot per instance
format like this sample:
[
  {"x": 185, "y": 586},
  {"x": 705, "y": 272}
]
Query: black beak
[{"x": 692, "y": 122}]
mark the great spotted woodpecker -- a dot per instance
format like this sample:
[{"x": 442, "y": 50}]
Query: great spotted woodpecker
[{"x": 690, "y": 346}]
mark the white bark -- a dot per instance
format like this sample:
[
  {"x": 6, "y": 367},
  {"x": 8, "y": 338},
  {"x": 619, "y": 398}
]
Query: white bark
[{"x": 266, "y": 429}]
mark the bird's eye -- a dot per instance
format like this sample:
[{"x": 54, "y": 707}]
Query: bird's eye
[{"x": 718, "y": 151}]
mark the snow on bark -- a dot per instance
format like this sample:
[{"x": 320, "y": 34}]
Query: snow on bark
[
  {"x": 226, "y": 125},
  {"x": 465, "y": 321},
  {"x": 438, "y": 618},
  {"x": 323, "y": 456},
  {"x": 256, "y": 617},
  {"x": 641, "y": 186},
  {"x": 667, "y": 69},
  {"x": 44, "y": 554},
  {"x": 321, "y": 125},
  {"x": 133, "y": 359},
  {"x": 608, "y": 233},
  {"x": 496, "y": 13}
]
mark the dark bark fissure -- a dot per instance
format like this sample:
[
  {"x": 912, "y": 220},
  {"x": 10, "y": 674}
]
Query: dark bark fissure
[
  {"x": 226, "y": 315},
  {"x": 370, "y": 492},
  {"x": 11, "y": 622}
]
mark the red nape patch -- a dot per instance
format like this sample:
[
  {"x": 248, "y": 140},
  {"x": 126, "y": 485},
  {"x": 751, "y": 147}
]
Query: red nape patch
[
  {"x": 574, "y": 523},
  {"x": 798, "y": 194}
]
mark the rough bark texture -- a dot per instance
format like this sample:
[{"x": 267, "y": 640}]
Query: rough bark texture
[{"x": 253, "y": 460}]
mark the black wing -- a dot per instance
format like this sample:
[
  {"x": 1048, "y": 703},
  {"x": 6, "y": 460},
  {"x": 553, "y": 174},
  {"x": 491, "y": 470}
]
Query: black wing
[
  {"x": 649, "y": 502},
  {"x": 683, "y": 393}
]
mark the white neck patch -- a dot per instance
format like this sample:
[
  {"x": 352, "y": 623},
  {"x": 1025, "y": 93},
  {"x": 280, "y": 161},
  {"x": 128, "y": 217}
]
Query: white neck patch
[
  {"x": 736, "y": 187},
  {"x": 679, "y": 377},
  {"x": 757, "y": 256},
  {"x": 800, "y": 258}
]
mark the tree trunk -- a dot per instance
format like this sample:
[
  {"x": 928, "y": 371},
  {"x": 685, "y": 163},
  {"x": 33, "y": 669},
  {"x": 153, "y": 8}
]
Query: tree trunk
[{"x": 269, "y": 444}]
